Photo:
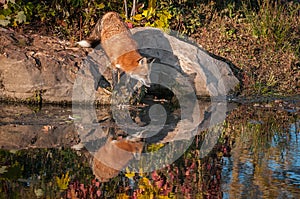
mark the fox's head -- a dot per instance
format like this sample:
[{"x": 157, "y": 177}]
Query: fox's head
[{"x": 142, "y": 72}]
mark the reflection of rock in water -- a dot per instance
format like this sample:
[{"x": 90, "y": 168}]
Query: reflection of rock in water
[
  {"x": 111, "y": 158},
  {"x": 156, "y": 120}
]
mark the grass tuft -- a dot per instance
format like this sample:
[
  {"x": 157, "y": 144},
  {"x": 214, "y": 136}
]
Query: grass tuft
[{"x": 275, "y": 21}]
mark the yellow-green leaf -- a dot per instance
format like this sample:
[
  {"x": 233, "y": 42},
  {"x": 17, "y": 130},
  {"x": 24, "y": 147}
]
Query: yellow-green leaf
[
  {"x": 148, "y": 24},
  {"x": 129, "y": 174},
  {"x": 148, "y": 13},
  {"x": 3, "y": 169},
  {"x": 15, "y": 23},
  {"x": 5, "y": 6},
  {"x": 20, "y": 17},
  {"x": 4, "y": 21},
  {"x": 167, "y": 14},
  {"x": 138, "y": 17},
  {"x": 39, "y": 193},
  {"x": 122, "y": 196},
  {"x": 152, "y": 4},
  {"x": 100, "y": 6},
  {"x": 155, "y": 147},
  {"x": 63, "y": 182}
]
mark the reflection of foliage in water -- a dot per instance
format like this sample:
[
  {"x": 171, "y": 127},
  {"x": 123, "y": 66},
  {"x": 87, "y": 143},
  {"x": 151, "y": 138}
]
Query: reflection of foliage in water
[
  {"x": 63, "y": 182},
  {"x": 41, "y": 169},
  {"x": 47, "y": 172},
  {"x": 259, "y": 124},
  {"x": 260, "y": 140},
  {"x": 247, "y": 130}
]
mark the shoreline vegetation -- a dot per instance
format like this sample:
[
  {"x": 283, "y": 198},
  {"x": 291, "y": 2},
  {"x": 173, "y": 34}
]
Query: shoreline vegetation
[{"x": 260, "y": 38}]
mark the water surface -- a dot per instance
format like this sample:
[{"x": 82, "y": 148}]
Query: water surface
[{"x": 256, "y": 154}]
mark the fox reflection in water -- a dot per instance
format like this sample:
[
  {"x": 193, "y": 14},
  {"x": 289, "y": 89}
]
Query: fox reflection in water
[{"x": 113, "y": 156}]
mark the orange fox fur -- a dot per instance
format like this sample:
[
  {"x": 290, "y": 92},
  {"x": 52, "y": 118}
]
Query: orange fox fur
[
  {"x": 118, "y": 153},
  {"x": 118, "y": 44}
]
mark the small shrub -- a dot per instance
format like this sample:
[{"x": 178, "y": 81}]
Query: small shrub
[
  {"x": 152, "y": 17},
  {"x": 14, "y": 13}
]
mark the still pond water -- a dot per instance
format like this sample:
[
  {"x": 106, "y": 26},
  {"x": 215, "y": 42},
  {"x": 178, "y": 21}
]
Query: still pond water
[{"x": 253, "y": 153}]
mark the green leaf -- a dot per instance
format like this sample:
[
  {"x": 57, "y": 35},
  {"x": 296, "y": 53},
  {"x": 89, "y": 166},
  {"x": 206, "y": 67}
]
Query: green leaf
[{"x": 6, "y": 12}]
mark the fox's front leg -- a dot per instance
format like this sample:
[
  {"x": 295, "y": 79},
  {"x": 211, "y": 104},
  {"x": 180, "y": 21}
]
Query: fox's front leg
[
  {"x": 118, "y": 76},
  {"x": 115, "y": 77}
]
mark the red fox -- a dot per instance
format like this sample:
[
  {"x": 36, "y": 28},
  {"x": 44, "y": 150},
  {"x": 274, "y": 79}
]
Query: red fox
[
  {"x": 111, "y": 158},
  {"x": 118, "y": 44}
]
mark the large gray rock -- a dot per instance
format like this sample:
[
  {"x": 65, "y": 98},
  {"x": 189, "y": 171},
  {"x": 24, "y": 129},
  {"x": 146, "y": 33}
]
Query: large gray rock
[
  {"x": 209, "y": 76},
  {"x": 35, "y": 68}
]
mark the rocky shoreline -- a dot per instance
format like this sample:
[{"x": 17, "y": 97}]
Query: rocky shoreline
[{"x": 40, "y": 69}]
